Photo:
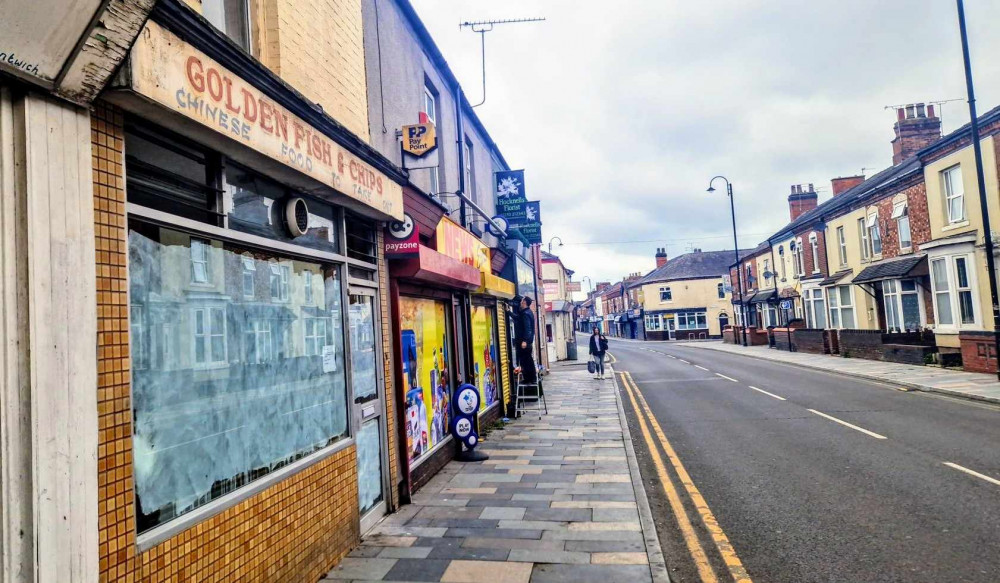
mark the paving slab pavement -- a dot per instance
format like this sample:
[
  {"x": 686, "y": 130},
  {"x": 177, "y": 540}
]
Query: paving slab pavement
[
  {"x": 970, "y": 385},
  {"x": 580, "y": 514}
]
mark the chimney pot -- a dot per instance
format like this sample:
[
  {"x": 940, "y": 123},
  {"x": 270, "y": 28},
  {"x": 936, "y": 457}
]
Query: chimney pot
[
  {"x": 910, "y": 111},
  {"x": 920, "y": 110},
  {"x": 811, "y": 187},
  {"x": 930, "y": 110},
  {"x": 900, "y": 114}
]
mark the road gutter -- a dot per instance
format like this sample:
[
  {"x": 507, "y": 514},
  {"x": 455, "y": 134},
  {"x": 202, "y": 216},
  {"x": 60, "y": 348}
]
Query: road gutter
[
  {"x": 654, "y": 552},
  {"x": 907, "y": 386}
]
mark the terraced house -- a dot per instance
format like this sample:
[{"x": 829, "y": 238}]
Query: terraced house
[{"x": 891, "y": 267}]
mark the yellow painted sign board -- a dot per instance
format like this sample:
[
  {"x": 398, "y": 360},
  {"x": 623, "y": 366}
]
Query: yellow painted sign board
[
  {"x": 419, "y": 139},
  {"x": 178, "y": 76}
]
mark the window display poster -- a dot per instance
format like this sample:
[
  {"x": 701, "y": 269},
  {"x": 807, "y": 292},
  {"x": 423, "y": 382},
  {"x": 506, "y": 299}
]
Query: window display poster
[
  {"x": 426, "y": 384},
  {"x": 484, "y": 349}
]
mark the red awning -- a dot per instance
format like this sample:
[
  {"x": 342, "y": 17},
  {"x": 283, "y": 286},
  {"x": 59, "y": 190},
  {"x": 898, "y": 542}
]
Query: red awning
[{"x": 433, "y": 267}]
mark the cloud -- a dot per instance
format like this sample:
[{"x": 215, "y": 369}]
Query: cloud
[{"x": 621, "y": 112}]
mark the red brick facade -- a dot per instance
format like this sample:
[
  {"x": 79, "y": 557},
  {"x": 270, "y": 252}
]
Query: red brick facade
[
  {"x": 920, "y": 226},
  {"x": 978, "y": 352},
  {"x": 807, "y": 256}
]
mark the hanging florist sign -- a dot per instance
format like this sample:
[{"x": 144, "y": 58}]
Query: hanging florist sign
[{"x": 173, "y": 73}]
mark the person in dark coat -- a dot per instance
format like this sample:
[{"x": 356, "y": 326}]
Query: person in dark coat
[
  {"x": 598, "y": 346},
  {"x": 525, "y": 340}
]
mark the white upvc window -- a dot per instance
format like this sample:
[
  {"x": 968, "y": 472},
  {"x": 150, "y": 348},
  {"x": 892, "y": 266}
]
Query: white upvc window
[
  {"x": 842, "y": 246},
  {"x": 691, "y": 320},
  {"x": 767, "y": 272},
  {"x": 209, "y": 334},
  {"x": 199, "y": 261},
  {"x": 814, "y": 245},
  {"x": 470, "y": 186},
  {"x": 866, "y": 248},
  {"x": 901, "y": 214},
  {"x": 232, "y": 17},
  {"x": 800, "y": 269},
  {"x": 902, "y": 305},
  {"x": 874, "y": 236},
  {"x": 841, "y": 301},
  {"x": 722, "y": 291},
  {"x": 954, "y": 193},
  {"x": 749, "y": 270},
  {"x": 665, "y": 294},
  {"x": 952, "y": 286},
  {"x": 781, "y": 255},
  {"x": 249, "y": 269},
  {"x": 815, "y": 307},
  {"x": 653, "y": 322}
]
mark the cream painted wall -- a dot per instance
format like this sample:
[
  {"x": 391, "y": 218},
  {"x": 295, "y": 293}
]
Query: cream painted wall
[
  {"x": 974, "y": 223},
  {"x": 691, "y": 293},
  {"x": 865, "y": 312}
]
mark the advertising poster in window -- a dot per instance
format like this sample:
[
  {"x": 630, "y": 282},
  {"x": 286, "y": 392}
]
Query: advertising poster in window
[
  {"x": 484, "y": 356},
  {"x": 426, "y": 383}
]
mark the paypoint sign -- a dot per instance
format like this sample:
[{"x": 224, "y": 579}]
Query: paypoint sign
[{"x": 419, "y": 139}]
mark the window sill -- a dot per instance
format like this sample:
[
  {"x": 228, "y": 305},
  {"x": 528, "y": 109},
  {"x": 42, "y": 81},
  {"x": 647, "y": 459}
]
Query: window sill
[
  {"x": 953, "y": 226},
  {"x": 157, "y": 535},
  {"x": 905, "y": 250}
]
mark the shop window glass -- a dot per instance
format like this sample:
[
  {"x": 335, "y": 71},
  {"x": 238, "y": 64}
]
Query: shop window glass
[
  {"x": 256, "y": 205},
  {"x": 369, "y": 466},
  {"x": 361, "y": 239},
  {"x": 424, "y": 341},
  {"x": 363, "y": 362},
  {"x": 168, "y": 173},
  {"x": 484, "y": 355},
  {"x": 227, "y": 395}
]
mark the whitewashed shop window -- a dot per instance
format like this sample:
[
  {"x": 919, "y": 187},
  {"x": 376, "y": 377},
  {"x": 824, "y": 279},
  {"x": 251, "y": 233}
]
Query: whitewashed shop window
[
  {"x": 249, "y": 272},
  {"x": 954, "y": 194},
  {"x": 307, "y": 287},
  {"x": 364, "y": 381},
  {"x": 199, "y": 261},
  {"x": 315, "y": 335},
  {"x": 279, "y": 282},
  {"x": 227, "y": 398}
]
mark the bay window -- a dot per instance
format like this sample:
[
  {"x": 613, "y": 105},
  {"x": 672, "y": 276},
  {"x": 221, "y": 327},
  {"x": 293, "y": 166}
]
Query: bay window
[
  {"x": 841, "y": 302},
  {"x": 902, "y": 305},
  {"x": 952, "y": 290},
  {"x": 901, "y": 214},
  {"x": 815, "y": 307}
]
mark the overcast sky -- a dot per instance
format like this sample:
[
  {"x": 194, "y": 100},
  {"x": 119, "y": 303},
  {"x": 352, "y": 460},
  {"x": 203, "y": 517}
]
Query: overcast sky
[{"x": 621, "y": 112}]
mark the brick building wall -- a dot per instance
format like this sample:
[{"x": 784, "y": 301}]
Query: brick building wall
[
  {"x": 978, "y": 352},
  {"x": 807, "y": 256},
  {"x": 920, "y": 222},
  {"x": 310, "y": 519},
  {"x": 317, "y": 47},
  {"x": 388, "y": 334}
]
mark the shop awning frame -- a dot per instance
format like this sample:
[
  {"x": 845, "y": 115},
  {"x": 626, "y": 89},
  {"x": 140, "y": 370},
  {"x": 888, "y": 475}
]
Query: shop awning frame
[{"x": 429, "y": 266}]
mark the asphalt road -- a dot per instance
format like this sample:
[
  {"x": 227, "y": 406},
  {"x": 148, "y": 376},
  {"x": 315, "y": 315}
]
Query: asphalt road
[{"x": 803, "y": 497}]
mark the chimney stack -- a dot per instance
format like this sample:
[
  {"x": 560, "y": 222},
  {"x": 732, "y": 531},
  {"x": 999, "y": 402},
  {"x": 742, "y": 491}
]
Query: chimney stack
[
  {"x": 916, "y": 127},
  {"x": 661, "y": 256},
  {"x": 842, "y": 183},
  {"x": 800, "y": 201}
]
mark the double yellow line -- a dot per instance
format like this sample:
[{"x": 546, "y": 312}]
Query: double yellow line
[{"x": 722, "y": 544}]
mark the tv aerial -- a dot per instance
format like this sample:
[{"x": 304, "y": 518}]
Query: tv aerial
[{"x": 485, "y": 26}]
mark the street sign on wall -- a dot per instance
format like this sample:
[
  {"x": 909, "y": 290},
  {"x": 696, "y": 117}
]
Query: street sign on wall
[{"x": 419, "y": 139}]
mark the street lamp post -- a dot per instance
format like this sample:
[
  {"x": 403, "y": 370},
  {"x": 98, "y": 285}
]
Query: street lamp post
[
  {"x": 987, "y": 228},
  {"x": 736, "y": 250},
  {"x": 550, "y": 243},
  {"x": 590, "y": 284}
]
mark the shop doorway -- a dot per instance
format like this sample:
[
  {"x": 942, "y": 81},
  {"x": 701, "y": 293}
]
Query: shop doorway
[
  {"x": 671, "y": 329},
  {"x": 369, "y": 406}
]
